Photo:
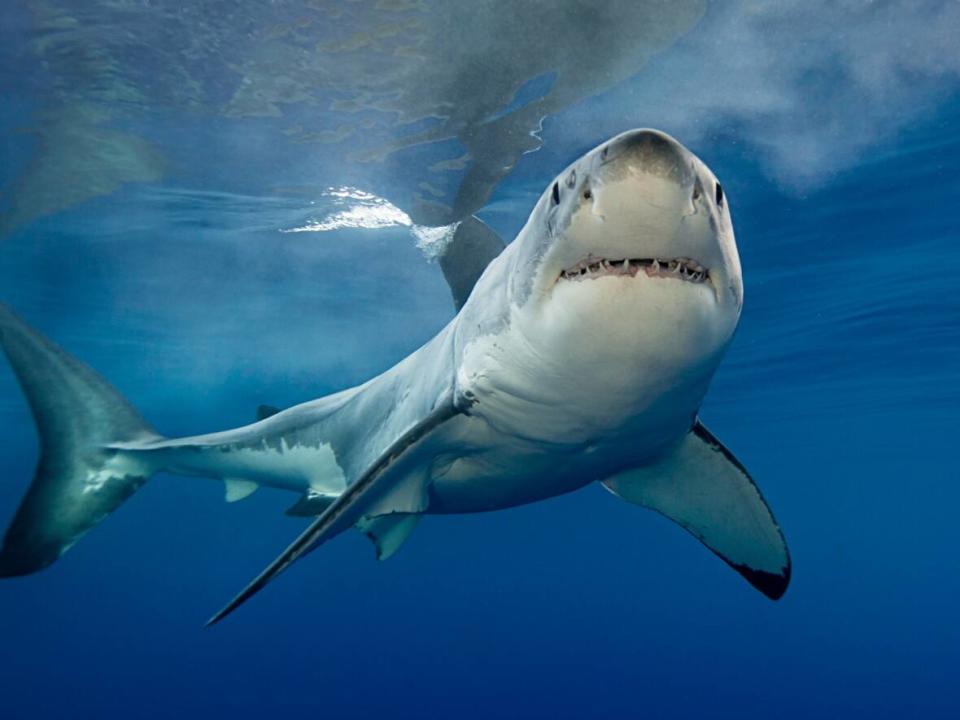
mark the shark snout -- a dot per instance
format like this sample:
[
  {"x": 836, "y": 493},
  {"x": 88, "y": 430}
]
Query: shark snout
[{"x": 647, "y": 152}]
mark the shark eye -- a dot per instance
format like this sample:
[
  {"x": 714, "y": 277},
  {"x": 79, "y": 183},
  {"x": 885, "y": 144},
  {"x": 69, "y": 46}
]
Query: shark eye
[
  {"x": 556, "y": 193},
  {"x": 719, "y": 195}
]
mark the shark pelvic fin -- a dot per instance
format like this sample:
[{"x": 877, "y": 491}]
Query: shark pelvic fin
[
  {"x": 237, "y": 489},
  {"x": 388, "y": 532},
  {"x": 702, "y": 487}
]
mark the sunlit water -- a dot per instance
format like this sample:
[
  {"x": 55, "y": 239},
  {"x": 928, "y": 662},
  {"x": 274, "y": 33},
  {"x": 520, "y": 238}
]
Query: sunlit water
[{"x": 197, "y": 298}]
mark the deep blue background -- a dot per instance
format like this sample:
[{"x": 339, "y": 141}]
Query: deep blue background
[{"x": 840, "y": 393}]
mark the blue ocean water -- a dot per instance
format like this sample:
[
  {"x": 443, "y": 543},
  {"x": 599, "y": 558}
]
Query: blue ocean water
[{"x": 839, "y": 393}]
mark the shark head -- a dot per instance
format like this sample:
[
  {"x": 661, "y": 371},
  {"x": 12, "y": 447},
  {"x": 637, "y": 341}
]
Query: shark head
[
  {"x": 624, "y": 288},
  {"x": 640, "y": 197}
]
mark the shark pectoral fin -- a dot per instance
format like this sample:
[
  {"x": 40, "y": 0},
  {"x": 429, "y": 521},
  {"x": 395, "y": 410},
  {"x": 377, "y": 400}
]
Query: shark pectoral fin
[
  {"x": 703, "y": 487},
  {"x": 473, "y": 246},
  {"x": 359, "y": 499},
  {"x": 265, "y": 411},
  {"x": 237, "y": 489},
  {"x": 388, "y": 532},
  {"x": 310, "y": 505}
]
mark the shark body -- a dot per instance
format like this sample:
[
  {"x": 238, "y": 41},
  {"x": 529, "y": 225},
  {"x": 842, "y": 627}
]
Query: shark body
[{"x": 581, "y": 354}]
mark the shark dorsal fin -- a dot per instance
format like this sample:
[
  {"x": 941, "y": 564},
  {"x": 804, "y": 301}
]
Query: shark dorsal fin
[
  {"x": 265, "y": 411},
  {"x": 473, "y": 246}
]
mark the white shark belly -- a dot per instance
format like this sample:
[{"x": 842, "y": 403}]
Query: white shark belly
[
  {"x": 481, "y": 468},
  {"x": 556, "y": 408},
  {"x": 294, "y": 468}
]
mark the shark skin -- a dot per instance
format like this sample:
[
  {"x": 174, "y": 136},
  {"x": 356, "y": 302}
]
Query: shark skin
[{"x": 582, "y": 355}]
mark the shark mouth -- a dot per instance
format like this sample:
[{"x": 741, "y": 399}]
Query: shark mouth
[{"x": 680, "y": 268}]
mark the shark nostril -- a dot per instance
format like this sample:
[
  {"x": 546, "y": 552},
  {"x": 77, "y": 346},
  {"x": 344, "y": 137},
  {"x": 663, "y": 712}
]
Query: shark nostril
[{"x": 587, "y": 194}]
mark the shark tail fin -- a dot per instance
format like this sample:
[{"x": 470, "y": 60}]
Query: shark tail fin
[{"x": 78, "y": 481}]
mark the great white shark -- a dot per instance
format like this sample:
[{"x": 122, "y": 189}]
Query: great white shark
[{"x": 581, "y": 354}]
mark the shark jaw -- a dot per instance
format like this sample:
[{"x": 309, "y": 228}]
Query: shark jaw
[{"x": 677, "y": 268}]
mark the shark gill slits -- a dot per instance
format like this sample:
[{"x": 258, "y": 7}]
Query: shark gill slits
[
  {"x": 719, "y": 195},
  {"x": 555, "y": 193}
]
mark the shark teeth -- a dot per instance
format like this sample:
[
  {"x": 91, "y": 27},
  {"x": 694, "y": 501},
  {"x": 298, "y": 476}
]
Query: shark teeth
[{"x": 681, "y": 268}]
